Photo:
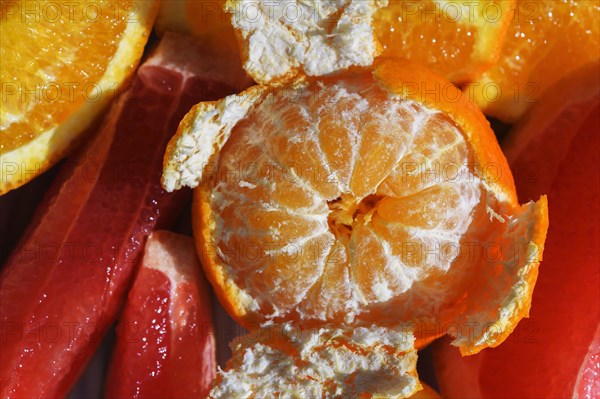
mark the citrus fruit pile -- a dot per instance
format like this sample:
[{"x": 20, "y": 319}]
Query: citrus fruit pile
[
  {"x": 351, "y": 202},
  {"x": 63, "y": 286}
]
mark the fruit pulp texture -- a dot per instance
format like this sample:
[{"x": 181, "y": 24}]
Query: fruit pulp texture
[
  {"x": 166, "y": 344},
  {"x": 546, "y": 41},
  {"x": 62, "y": 287},
  {"x": 34, "y": 102},
  {"x": 406, "y": 29}
]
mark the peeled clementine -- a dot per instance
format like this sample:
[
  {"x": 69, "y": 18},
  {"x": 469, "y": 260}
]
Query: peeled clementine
[{"x": 357, "y": 200}]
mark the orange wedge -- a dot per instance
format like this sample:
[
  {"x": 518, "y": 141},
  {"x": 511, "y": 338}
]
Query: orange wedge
[
  {"x": 61, "y": 65},
  {"x": 546, "y": 41},
  {"x": 459, "y": 40}
]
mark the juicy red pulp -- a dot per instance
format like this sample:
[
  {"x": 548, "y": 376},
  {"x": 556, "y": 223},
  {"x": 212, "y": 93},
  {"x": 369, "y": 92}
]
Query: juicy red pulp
[
  {"x": 63, "y": 285},
  {"x": 166, "y": 347}
]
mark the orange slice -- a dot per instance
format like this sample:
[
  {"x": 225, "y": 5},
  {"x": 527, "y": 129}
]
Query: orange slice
[
  {"x": 356, "y": 200},
  {"x": 61, "y": 65},
  {"x": 279, "y": 40},
  {"x": 546, "y": 41},
  {"x": 459, "y": 40}
]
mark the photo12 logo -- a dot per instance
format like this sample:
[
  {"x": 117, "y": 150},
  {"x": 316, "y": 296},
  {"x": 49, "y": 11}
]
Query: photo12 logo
[
  {"x": 56, "y": 92},
  {"x": 55, "y": 12},
  {"x": 467, "y": 11}
]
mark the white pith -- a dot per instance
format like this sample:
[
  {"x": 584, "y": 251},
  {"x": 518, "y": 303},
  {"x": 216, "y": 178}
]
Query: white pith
[
  {"x": 318, "y": 37},
  {"x": 329, "y": 362}
]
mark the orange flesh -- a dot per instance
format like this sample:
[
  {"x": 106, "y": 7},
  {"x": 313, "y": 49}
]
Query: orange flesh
[
  {"x": 423, "y": 33},
  {"x": 546, "y": 41},
  {"x": 57, "y": 70},
  {"x": 530, "y": 41},
  {"x": 318, "y": 215}
]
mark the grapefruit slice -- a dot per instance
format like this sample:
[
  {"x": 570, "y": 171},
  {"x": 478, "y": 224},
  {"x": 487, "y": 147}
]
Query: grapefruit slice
[{"x": 165, "y": 346}]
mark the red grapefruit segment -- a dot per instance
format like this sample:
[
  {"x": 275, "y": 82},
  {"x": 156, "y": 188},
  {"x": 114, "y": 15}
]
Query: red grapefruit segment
[{"x": 165, "y": 347}]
